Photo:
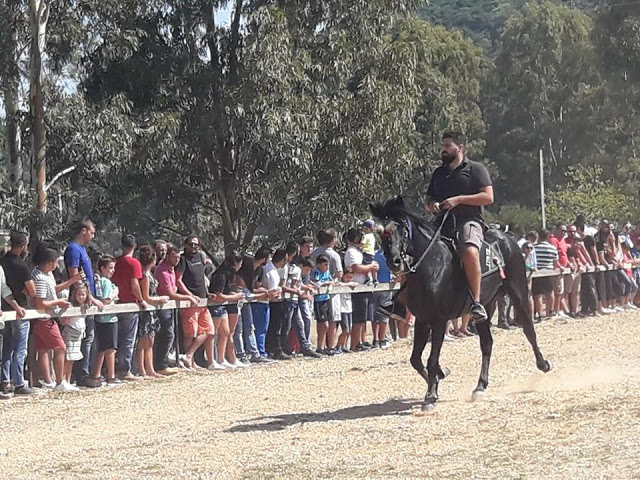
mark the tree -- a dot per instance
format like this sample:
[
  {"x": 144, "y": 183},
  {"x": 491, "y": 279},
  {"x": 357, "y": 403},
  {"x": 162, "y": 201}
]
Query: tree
[{"x": 544, "y": 94}]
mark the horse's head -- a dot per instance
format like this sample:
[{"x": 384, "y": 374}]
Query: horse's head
[{"x": 396, "y": 238}]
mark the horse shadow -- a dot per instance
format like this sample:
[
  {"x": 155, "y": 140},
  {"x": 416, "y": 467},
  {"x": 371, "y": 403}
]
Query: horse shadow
[{"x": 272, "y": 423}]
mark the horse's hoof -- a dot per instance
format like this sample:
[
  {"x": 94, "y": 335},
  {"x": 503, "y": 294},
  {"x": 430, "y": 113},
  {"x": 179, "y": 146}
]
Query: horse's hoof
[
  {"x": 445, "y": 372},
  {"x": 428, "y": 408},
  {"x": 548, "y": 366},
  {"x": 477, "y": 395}
]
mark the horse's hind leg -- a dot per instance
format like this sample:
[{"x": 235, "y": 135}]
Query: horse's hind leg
[
  {"x": 520, "y": 300},
  {"x": 486, "y": 346}
]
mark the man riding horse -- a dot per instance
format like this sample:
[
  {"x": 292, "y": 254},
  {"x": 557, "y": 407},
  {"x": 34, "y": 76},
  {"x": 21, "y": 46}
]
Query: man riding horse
[{"x": 463, "y": 187}]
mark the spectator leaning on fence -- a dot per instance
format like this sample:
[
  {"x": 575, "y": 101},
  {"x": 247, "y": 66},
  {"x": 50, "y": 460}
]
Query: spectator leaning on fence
[
  {"x": 166, "y": 275},
  {"x": 558, "y": 240},
  {"x": 77, "y": 260},
  {"x": 197, "y": 324},
  {"x": 16, "y": 333},
  {"x": 148, "y": 323},
  {"x": 45, "y": 331},
  {"x": 546, "y": 259},
  {"x": 106, "y": 325},
  {"x": 127, "y": 276}
]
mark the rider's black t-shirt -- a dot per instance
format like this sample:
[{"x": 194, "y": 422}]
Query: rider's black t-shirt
[{"x": 468, "y": 178}]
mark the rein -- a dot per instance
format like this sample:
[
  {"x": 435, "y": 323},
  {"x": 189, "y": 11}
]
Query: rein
[{"x": 434, "y": 239}]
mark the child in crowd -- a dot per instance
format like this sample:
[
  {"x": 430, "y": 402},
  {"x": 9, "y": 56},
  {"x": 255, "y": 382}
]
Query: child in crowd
[
  {"x": 106, "y": 325},
  {"x": 346, "y": 312},
  {"x": 73, "y": 328},
  {"x": 148, "y": 319},
  {"x": 45, "y": 332},
  {"x": 321, "y": 277},
  {"x": 369, "y": 249}
]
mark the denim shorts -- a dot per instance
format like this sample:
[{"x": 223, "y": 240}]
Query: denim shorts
[{"x": 217, "y": 312}]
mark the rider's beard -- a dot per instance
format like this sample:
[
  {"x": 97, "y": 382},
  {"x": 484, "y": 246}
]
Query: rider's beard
[{"x": 448, "y": 158}]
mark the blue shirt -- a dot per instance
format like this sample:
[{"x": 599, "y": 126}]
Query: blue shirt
[
  {"x": 75, "y": 256},
  {"x": 318, "y": 277},
  {"x": 384, "y": 274}
]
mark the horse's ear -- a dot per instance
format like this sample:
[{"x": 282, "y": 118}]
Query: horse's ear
[
  {"x": 396, "y": 203},
  {"x": 376, "y": 209}
]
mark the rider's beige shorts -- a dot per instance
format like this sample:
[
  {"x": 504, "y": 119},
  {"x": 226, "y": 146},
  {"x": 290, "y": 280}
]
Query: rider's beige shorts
[{"x": 470, "y": 233}]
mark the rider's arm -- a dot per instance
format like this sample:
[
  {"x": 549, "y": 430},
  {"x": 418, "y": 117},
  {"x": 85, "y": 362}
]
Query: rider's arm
[{"x": 482, "y": 199}]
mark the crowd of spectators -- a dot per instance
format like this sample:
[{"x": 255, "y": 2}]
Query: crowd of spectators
[
  {"x": 262, "y": 307},
  {"x": 602, "y": 262}
]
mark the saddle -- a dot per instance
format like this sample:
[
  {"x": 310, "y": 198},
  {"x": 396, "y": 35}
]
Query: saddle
[{"x": 491, "y": 259}]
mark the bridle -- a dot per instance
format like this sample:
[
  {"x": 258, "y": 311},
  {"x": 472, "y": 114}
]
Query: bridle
[{"x": 408, "y": 225}]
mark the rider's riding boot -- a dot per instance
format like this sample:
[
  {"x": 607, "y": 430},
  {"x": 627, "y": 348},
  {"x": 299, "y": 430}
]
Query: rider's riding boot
[{"x": 478, "y": 313}]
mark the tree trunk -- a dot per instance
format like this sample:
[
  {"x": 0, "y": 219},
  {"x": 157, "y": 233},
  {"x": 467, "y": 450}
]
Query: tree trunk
[
  {"x": 38, "y": 16},
  {"x": 10, "y": 83}
]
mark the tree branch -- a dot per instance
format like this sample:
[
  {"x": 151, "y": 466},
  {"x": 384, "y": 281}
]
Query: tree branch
[{"x": 57, "y": 176}]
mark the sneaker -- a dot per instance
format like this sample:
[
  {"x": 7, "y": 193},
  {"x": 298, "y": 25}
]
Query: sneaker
[
  {"x": 347, "y": 350},
  {"x": 329, "y": 352},
  {"x": 229, "y": 365},
  {"x": 7, "y": 388},
  {"x": 48, "y": 386},
  {"x": 607, "y": 311},
  {"x": 215, "y": 366},
  {"x": 376, "y": 345},
  {"x": 92, "y": 382},
  {"x": 631, "y": 306},
  {"x": 478, "y": 313},
  {"x": 310, "y": 353},
  {"x": 337, "y": 351},
  {"x": 5, "y": 396},
  {"x": 384, "y": 345},
  {"x": 260, "y": 360},
  {"x": 282, "y": 356},
  {"x": 504, "y": 326},
  {"x": 114, "y": 381},
  {"x": 367, "y": 344},
  {"x": 361, "y": 348},
  {"x": 23, "y": 390},
  {"x": 66, "y": 387},
  {"x": 239, "y": 364},
  {"x": 619, "y": 309},
  {"x": 448, "y": 338},
  {"x": 244, "y": 359}
]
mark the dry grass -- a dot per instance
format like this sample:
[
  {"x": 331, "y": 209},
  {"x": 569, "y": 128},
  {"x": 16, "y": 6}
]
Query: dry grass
[{"x": 352, "y": 417}]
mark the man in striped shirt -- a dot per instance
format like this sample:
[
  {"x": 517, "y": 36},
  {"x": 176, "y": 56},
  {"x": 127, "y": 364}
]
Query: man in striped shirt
[{"x": 546, "y": 259}]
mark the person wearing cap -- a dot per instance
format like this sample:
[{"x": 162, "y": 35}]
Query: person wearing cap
[{"x": 369, "y": 248}]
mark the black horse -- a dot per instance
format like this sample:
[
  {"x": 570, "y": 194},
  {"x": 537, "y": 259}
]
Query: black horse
[{"x": 435, "y": 289}]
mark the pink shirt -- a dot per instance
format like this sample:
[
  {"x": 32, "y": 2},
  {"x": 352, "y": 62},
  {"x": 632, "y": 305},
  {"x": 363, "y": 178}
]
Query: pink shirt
[{"x": 166, "y": 276}]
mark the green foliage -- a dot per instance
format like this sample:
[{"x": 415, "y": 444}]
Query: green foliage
[
  {"x": 587, "y": 194},
  {"x": 512, "y": 214},
  {"x": 541, "y": 97}
]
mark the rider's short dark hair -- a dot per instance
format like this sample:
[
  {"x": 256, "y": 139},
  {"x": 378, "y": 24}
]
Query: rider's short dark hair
[{"x": 458, "y": 137}]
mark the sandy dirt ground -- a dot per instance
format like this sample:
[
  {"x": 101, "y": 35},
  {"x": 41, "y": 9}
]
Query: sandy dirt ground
[{"x": 354, "y": 416}]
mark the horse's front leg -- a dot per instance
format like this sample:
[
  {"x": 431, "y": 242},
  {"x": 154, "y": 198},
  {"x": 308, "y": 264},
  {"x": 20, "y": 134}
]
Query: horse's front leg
[
  {"x": 420, "y": 339},
  {"x": 434, "y": 372}
]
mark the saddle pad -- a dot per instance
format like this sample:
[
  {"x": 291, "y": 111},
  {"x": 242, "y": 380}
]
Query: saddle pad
[{"x": 490, "y": 258}]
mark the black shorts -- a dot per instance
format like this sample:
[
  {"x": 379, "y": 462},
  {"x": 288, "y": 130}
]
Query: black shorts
[
  {"x": 542, "y": 285},
  {"x": 232, "y": 309},
  {"x": 323, "y": 311},
  {"x": 367, "y": 258},
  {"x": 107, "y": 336},
  {"x": 362, "y": 307}
]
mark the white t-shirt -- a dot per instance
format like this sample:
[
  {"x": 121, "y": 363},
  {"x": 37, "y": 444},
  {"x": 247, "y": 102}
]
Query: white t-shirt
[
  {"x": 270, "y": 278},
  {"x": 345, "y": 303},
  {"x": 294, "y": 280},
  {"x": 353, "y": 256},
  {"x": 77, "y": 323}
]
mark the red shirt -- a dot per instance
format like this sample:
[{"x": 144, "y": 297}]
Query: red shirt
[
  {"x": 561, "y": 246},
  {"x": 126, "y": 269}
]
